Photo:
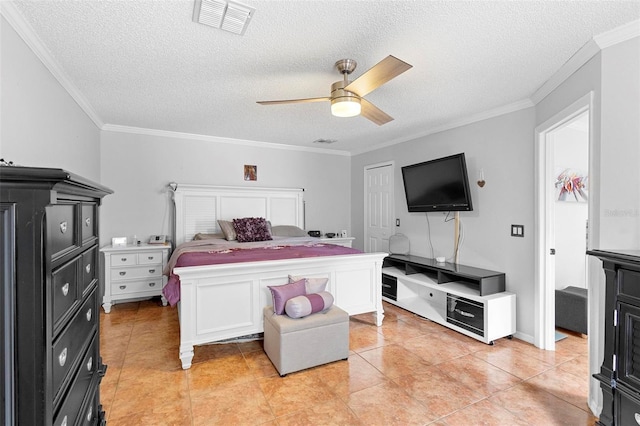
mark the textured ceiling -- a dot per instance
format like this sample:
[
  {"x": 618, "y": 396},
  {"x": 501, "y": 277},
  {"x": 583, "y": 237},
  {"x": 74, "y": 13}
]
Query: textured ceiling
[{"x": 146, "y": 64}]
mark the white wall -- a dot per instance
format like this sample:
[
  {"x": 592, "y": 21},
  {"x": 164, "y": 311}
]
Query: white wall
[
  {"x": 620, "y": 150},
  {"x": 503, "y": 148},
  {"x": 138, "y": 167},
  {"x": 571, "y": 150},
  {"x": 41, "y": 124}
]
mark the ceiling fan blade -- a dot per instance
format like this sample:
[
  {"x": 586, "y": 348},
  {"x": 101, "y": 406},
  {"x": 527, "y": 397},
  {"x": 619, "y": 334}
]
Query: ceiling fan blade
[
  {"x": 294, "y": 101},
  {"x": 373, "y": 113},
  {"x": 388, "y": 68}
]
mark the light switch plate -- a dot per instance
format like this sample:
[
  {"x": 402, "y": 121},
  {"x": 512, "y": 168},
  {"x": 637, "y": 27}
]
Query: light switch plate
[{"x": 517, "y": 230}]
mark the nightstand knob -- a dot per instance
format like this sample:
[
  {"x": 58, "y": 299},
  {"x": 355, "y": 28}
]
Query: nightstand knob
[
  {"x": 63, "y": 227},
  {"x": 90, "y": 364},
  {"x": 62, "y": 358},
  {"x": 88, "y": 268},
  {"x": 152, "y": 284},
  {"x": 89, "y": 315},
  {"x": 65, "y": 289},
  {"x": 87, "y": 222},
  {"x": 123, "y": 273},
  {"x": 122, "y": 287}
]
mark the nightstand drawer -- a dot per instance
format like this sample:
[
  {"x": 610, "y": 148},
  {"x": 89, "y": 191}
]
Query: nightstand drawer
[
  {"x": 119, "y": 274},
  {"x": 124, "y": 259},
  {"x": 129, "y": 287},
  {"x": 150, "y": 258}
]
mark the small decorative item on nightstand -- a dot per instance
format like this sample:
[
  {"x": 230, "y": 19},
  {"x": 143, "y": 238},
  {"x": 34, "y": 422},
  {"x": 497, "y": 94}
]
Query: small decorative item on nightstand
[{"x": 133, "y": 272}]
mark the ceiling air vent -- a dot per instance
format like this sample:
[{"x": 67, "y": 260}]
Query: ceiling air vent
[
  {"x": 228, "y": 16},
  {"x": 325, "y": 141}
]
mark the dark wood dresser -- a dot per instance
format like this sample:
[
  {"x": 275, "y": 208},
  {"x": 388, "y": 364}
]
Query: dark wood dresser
[
  {"x": 51, "y": 365},
  {"x": 620, "y": 371}
]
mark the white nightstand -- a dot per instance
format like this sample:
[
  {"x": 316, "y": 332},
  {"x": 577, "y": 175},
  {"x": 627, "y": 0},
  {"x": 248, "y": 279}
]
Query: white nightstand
[
  {"x": 339, "y": 241},
  {"x": 133, "y": 272}
]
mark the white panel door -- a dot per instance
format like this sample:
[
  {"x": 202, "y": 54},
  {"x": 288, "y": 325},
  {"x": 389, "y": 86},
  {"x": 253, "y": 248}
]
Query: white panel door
[{"x": 379, "y": 214}]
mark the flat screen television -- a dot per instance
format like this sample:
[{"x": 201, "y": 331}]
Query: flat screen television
[{"x": 438, "y": 185}]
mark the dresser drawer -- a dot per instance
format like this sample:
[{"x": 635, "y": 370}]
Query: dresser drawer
[
  {"x": 124, "y": 259},
  {"x": 627, "y": 409},
  {"x": 89, "y": 269},
  {"x": 629, "y": 283},
  {"x": 65, "y": 290},
  {"x": 61, "y": 228},
  {"x": 89, "y": 222},
  {"x": 143, "y": 286},
  {"x": 79, "y": 390},
  {"x": 150, "y": 258},
  {"x": 69, "y": 346},
  {"x": 136, "y": 272}
]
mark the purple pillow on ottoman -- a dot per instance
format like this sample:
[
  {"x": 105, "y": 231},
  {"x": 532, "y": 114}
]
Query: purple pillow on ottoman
[
  {"x": 282, "y": 293},
  {"x": 307, "y": 304},
  {"x": 251, "y": 229}
]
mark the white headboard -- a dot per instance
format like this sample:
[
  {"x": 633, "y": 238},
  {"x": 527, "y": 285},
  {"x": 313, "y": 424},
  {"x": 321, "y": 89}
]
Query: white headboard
[{"x": 198, "y": 207}]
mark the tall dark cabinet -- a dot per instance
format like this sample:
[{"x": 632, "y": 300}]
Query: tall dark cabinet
[
  {"x": 619, "y": 374},
  {"x": 51, "y": 365}
]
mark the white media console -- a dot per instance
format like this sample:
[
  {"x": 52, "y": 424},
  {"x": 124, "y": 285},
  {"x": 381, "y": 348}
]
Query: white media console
[{"x": 469, "y": 300}]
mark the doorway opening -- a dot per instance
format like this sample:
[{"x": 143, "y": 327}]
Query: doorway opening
[{"x": 562, "y": 211}]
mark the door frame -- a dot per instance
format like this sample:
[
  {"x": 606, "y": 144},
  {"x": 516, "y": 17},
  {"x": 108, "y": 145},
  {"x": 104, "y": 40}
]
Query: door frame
[
  {"x": 366, "y": 169},
  {"x": 544, "y": 306}
]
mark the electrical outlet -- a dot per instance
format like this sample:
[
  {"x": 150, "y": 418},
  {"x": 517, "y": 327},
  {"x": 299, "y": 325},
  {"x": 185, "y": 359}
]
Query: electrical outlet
[
  {"x": 397, "y": 222},
  {"x": 517, "y": 230}
]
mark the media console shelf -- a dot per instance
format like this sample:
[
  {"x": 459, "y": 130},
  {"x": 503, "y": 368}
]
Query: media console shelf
[{"x": 469, "y": 300}]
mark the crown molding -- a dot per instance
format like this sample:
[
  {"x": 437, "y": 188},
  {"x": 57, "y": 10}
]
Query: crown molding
[
  {"x": 584, "y": 54},
  {"x": 217, "y": 139},
  {"x": 485, "y": 115},
  {"x": 9, "y": 11},
  {"x": 618, "y": 35}
]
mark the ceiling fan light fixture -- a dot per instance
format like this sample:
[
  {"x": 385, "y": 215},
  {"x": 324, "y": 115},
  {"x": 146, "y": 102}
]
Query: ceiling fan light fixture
[{"x": 346, "y": 106}]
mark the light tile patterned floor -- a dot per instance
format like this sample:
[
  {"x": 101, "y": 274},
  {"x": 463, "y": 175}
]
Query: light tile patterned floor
[{"x": 409, "y": 371}]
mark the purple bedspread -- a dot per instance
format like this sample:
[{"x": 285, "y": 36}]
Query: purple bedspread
[{"x": 235, "y": 255}]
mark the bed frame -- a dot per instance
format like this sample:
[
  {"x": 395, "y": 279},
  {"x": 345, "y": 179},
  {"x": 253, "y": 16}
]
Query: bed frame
[{"x": 226, "y": 301}]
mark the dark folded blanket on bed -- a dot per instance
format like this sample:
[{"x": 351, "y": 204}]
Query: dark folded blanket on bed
[{"x": 236, "y": 255}]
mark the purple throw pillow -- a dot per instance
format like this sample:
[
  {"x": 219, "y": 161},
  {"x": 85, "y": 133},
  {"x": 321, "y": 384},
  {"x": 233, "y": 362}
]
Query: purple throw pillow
[
  {"x": 251, "y": 229},
  {"x": 281, "y": 293},
  {"x": 307, "y": 304}
]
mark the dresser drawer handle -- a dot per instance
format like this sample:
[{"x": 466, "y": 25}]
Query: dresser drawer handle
[
  {"x": 637, "y": 417},
  {"x": 88, "y": 268},
  {"x": 152, "y": 284},
  {"x": 122, "y": 287},
  {"x": 150, "y": 257},
  {"x": 65, "y": 289},
  {"x": 62, "y": 358},
  {"x": 64, "y": 421},
  {"x": 123, "y": 273},
  {"x": 123, "y": 259},
  {"x": 63, "y": 227},
  {"x": 89, "y": 314},
  {"x": 152, "y": 271},
  {"x": 87, "y": 222},
  {"x": 90, "y": 414},
  {"x": 90, "y": 364}
]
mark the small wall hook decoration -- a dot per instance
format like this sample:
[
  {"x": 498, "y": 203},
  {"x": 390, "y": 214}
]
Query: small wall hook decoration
[{"x": 481, "y": 180}]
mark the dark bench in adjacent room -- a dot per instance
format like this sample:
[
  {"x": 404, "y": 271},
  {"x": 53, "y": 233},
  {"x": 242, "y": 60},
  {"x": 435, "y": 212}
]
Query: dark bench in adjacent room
[{"x": 571, "y": 309}]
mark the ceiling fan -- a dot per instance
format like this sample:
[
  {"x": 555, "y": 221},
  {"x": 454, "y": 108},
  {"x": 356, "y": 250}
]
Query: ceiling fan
[{"x": 347, "y": 97}]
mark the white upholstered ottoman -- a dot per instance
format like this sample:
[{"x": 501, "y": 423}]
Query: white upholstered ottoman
[{"x": 294, "y": 344}]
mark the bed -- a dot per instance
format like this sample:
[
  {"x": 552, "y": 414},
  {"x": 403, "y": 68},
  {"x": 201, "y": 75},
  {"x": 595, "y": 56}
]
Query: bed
[{"x": 225, "y": 300}]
